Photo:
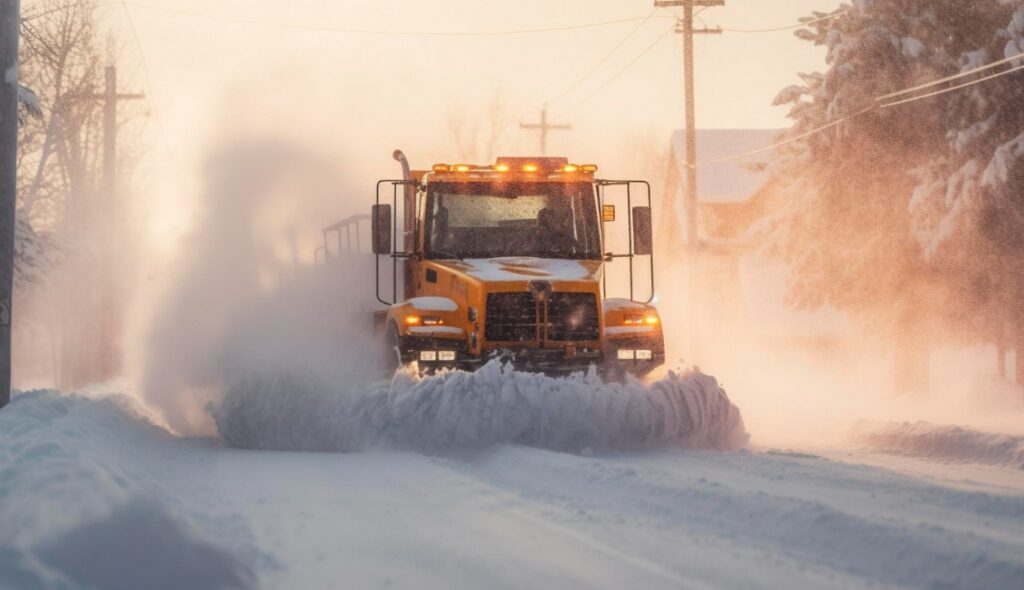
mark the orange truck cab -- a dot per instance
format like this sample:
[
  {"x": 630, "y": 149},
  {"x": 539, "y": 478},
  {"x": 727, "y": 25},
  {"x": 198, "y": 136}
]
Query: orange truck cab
[{"x": 509, "y": 260}]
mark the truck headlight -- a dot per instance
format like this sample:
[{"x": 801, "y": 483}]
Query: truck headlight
[
  {"x": 446, "y": 355},
  {"x": 626, "y": 354},
  {"x": 428, "y": 355},
  {"x": 644, "y": 355}
]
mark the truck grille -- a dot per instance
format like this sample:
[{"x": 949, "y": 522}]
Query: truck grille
[
  {"x": 511, "y": 317},
  {"x": 571, "y": 317}
]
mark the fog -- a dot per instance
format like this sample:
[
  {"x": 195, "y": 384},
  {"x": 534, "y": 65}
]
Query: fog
[{"x": 259, "y": 136}]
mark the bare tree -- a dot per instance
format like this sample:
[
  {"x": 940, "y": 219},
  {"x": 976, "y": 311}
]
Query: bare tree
[
  {"x": 61, "y": 214},
  {"x": 476, "y": 135}
]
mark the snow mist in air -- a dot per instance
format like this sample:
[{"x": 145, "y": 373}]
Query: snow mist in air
[
  {"x": 460, "y": 410},
  {"x": 244, "y": 294}
]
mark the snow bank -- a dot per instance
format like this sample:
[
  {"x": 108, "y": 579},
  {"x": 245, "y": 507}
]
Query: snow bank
[
  {"x": 947, "y": 443},
  {"x": 495, "y": 405},
  {"x": 71, "y": 516}
]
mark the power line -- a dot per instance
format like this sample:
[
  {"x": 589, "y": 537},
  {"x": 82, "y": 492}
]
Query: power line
[
  {"x": 151, "y": 96},
  {"x": 607, "y": 57},
  {"x": 786, "y": 141},
  {"x": 957, "y": 87},
  {"x": 625, "y": 68},
  {"x": 791, "y": 27},
  {"x": 965, "y": 74},
  {"x": 879, "y": 102},
  {"x": 604, "y": 59},
  {"x": 383, "y": 32}
]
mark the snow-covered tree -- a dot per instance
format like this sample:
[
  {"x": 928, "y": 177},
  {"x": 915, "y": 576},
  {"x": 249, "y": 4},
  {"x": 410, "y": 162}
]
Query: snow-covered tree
[
  {"x": 968, "y": 210},
  {"x": 861, "y": 225}
]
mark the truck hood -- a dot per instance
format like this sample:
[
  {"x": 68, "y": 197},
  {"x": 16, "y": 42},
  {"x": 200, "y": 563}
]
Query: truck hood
[{"x": 493, "y": 270}]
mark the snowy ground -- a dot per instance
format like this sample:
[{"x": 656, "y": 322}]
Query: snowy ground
[{"x": 93, "y": 495}]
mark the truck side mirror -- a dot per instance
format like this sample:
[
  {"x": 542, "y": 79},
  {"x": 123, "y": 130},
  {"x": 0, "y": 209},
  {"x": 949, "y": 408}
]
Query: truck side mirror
[
  {"x": 381, "y": 229},
  {"x": 643, "y": 241}
]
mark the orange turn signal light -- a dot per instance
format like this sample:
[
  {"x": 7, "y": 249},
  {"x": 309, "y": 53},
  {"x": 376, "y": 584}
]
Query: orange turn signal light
[
  {"x": 531, "y": 168},
  {"x": 442, "y": 168},
  {"x": 462, "y": 167},
  {"x": 412, "y": 320},
  {"x": 502, "y": 168}
]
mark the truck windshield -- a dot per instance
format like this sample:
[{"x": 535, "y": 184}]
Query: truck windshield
[{"x": 535, "y": 219}]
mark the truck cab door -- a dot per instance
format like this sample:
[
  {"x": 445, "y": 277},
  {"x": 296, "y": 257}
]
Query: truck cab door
[
  {"x": 395, "y": 205},
  {"x": 627, "y": 236}
]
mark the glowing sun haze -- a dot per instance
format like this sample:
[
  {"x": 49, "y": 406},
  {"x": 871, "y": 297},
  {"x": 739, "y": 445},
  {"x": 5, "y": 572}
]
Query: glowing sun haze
[{"x": 361, "y": 95}]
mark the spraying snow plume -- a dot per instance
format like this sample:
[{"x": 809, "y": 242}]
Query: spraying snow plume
[
  {"x": 459, "y": 410},
  {"x": 239, "y": 296}
]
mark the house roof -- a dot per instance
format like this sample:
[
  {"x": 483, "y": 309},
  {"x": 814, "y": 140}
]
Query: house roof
[{"x": 733, "y": 181}]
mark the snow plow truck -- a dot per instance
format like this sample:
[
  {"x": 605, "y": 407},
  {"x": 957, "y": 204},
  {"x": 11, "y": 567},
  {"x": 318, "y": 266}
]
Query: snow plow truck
[{"x": 510, "y": 260}]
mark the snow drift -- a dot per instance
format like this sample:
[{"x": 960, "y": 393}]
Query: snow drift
[
  {"x": 67, "y": 505},
  {"x": 946, "y": 443},
  {"x": 460, "y": 410}
]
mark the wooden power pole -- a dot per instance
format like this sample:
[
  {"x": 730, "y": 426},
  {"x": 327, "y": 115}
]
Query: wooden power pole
[
  {"x": 684, "y": 26},
  {"x": 110, "y": 320},
  {"x": 10, "y": 29},
  {"x": 544, "y": 128}
]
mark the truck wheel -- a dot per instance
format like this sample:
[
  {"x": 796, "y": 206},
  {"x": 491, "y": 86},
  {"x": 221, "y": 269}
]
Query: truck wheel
[{"x": 392, "y": 354}]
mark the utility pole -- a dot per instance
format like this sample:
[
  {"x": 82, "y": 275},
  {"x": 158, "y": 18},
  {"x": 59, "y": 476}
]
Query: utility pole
[
  {"x": 109, "y": 329},
  {"x": 684, "y": 26},
  {"x": 10, "y": 29},
  {"x": 544, "y": 128}
]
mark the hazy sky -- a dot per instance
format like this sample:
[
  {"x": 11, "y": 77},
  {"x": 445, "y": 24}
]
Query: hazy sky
[{"x": 362, "y": 95}]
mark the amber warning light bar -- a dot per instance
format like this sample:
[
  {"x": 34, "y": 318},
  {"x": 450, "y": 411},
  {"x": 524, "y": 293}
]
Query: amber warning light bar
[{"x": 521, "y": 165}]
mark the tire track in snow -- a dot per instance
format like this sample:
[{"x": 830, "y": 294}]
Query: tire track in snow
[{"x": 884, "y": 548}]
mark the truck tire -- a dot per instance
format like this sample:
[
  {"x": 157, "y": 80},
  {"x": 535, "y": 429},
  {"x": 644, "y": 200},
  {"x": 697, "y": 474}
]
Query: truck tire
[{"x": 392, "y": 354}]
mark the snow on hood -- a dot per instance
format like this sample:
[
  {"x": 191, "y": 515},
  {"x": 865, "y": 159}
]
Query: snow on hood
[
  {"x": 525, "y": 269},
  {"x": 433, "y": 304}
]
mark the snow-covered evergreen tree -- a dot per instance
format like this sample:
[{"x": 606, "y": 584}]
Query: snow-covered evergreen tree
[
  {"x": 968, "y": 210},
  {"x": 877, "y": 217}
]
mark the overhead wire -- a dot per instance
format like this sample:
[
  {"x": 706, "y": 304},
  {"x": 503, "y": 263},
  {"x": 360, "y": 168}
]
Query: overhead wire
[
  {"x": 603, "y": 60},
  {"x": 957, "y": 87},
  {"x": 622, "y": 71},
  {"x": 384, "y": 32},
  {"x": 791, "y": 27},
  {"x": 961, "y": 75},
  {"x": 881, "y": 102},
  {"x": 148, "y": 81},
  {"x": 629, "y": 65}
]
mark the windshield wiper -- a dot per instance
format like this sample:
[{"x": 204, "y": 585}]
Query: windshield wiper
[{"x": 448, "y": 254}]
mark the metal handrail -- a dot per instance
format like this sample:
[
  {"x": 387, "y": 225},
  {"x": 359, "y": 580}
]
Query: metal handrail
[{"x": 629, "y": 220}]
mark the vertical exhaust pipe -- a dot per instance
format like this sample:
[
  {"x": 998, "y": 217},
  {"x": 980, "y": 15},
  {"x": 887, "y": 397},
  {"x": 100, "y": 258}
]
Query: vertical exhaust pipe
[{"x": 409, "y": 224}]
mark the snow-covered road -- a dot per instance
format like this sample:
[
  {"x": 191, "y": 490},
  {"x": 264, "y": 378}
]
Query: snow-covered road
[{"x": 82, "y": 478}]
